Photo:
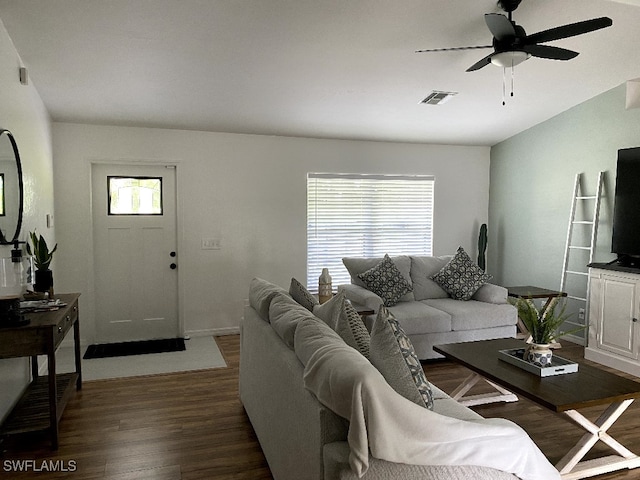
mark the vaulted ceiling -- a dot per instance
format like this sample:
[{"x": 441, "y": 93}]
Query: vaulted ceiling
[{"x": 316, "y": 68}]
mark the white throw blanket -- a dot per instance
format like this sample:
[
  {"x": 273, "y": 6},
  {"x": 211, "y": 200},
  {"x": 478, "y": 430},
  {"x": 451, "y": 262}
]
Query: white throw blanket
[{"x": 397, "y": 430}]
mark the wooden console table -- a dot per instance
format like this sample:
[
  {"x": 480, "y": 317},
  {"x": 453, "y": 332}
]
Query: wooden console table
[{"x": 42, "y": 404}]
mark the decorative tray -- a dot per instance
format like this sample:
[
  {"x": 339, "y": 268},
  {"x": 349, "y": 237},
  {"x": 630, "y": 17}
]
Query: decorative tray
[{"x": 559, "y": 365}]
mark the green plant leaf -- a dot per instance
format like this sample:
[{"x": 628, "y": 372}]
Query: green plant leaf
[{"x": 543, "y": 324}]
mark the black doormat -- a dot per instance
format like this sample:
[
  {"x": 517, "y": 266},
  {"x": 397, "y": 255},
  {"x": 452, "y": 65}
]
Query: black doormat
[{"x": 123, "y": 349}]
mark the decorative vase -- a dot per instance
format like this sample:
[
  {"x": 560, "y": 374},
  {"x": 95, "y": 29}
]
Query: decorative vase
[
  {"x": 44, "y": 281},
  {"x": 539, "y": 354},
  {"x": 325, "y": 291}
]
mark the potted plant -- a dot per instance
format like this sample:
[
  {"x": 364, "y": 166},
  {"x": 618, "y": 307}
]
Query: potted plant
[
  {"x": 42, "y": 257},
  {"x": 543, "y": 325}
]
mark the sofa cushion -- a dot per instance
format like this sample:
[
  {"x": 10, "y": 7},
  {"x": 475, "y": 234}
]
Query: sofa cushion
[
  {"x": 490, "y": 293},
  {"x": 422, "y": 269},
  {"x": 284, "y": 315},
  {"x": 340, "y": 315},
  {"x": 386, "y": 281},
  {"x": 392, "y": 353},
  {"x": 418, "y": 317},
  {"x": 356, "y": 266},
  {"x": 310, "y": 335},
  {"x": 474, "y": 315},
  {"x": 461, "y": 277},
  {"x": 261, "y": 293},
  {"x": 301, "y": 295}
]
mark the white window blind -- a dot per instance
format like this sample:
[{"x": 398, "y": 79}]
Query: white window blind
[{"x": 365, "y": 216}]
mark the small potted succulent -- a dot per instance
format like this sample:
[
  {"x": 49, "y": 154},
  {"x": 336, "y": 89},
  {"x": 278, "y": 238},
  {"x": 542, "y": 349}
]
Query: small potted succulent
[
  {"x": 42, "y": 257},
  {"x": 543, "y": 325}
]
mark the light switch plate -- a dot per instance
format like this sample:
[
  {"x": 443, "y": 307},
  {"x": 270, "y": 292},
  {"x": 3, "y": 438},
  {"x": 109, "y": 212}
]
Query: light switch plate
[{"x": 211, "y": 244}]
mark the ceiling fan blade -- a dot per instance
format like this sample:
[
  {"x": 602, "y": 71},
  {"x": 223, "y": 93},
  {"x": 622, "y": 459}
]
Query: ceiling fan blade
[
  {"x": 481, "y": 63},
  {"x": 452, "y": 49},
  {"x": 569, "y": 30},
  {"x": 547, "y": 51},
  {"x": 500, "y": 26}
]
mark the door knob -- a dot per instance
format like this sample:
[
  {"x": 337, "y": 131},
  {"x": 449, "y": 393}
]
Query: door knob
[{"x": 173, "y": 266}]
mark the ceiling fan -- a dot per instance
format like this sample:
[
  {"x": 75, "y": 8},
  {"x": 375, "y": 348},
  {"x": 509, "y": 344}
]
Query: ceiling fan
[{"x": 511, "y": 45}]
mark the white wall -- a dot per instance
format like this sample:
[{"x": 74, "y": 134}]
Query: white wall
[
  {"x": 22, "y": 112},
  {"x": 249, "y": 191}
]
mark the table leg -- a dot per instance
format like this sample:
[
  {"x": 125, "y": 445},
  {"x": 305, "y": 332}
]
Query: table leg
[
  {"x": 572, "y": 468},
  {"x": 502, "y": 395},
  {"x": 53, "y": 399},
  {"x": 77, "y": 354}
]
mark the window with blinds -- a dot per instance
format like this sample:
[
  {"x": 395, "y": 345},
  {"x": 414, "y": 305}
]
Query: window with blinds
[{"x": 365, "y": 216}]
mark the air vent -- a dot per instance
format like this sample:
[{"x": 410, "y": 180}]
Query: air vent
[{"x": 437, "y": 97}]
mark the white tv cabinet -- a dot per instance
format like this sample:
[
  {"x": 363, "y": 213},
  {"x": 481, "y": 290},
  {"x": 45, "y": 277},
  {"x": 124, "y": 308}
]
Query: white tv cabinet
[{"x": 614, "y": 309}]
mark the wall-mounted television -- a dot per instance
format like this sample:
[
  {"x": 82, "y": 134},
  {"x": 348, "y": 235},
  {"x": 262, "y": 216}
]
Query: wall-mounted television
[{"x": 625, "y": 241}]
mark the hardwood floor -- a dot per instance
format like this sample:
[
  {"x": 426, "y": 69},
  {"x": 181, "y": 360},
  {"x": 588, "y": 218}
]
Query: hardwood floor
[
  {"x": 165, "y": 427},
  {"x": 192, "y": 426}
]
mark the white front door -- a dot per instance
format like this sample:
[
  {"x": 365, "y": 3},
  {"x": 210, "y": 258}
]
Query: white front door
[{"x": 135, "y": 261}]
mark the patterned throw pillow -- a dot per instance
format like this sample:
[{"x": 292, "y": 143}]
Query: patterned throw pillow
[
  {"x": 352, "y": 330},
  {"x": 386, "y": 281},
  {"x": 340, "y": 315},
  {"x": 301, "y": 295},
  {"x": 392, "y": 353},
  {"x": 461, "y": 277}
]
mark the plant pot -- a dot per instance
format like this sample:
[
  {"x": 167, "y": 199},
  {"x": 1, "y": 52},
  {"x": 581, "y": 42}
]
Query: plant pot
[
  {"x": 539, "y": 354},
  {"x": 44, "y": 281}
]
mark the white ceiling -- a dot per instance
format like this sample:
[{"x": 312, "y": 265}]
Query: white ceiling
[{"x": 316, "y": 68}]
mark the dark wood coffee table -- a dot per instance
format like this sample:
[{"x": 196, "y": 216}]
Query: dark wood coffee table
[{"x": 564, "y": 394}]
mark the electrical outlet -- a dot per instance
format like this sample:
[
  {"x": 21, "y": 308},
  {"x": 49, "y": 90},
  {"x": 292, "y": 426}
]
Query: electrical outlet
[{"x": 581, "y": 314}]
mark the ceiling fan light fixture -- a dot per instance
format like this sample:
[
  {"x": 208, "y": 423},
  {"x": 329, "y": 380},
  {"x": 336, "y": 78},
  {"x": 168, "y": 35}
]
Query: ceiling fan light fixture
[{"x": 509, "y": 59}]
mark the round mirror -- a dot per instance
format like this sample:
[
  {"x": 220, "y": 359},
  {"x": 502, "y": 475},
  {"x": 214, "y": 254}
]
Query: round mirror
[{"x": 10, "y": 189}]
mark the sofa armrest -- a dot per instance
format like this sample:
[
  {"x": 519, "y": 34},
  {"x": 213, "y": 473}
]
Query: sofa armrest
[
  {"x": 361, "y": 296},
  {"x": 490, "y": 293}
]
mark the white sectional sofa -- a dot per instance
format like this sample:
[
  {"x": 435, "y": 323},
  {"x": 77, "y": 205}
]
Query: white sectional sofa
[
  {"x": 428, "y": 314},
  {"x": 322, "y": 411}
]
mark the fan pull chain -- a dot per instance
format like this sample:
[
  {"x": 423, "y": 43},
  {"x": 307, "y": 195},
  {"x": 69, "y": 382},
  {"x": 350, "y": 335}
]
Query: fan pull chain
[
  {"x": 513, "y": 71},
  {"x": 504, "y": 83},
  {"x": 504, "y": 86}
]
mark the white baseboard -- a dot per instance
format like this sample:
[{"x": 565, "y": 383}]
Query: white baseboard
[
  {"x": 610, "y": 360},
  {"x": 217, "y": 332}
]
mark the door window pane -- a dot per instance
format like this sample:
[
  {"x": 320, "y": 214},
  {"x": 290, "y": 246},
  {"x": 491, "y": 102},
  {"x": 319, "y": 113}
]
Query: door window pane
[{"x": 134, "y": 195}]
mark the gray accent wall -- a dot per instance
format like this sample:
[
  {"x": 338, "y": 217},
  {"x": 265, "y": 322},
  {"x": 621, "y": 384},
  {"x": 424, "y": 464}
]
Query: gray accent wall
[{"x": 531, "y": 185}]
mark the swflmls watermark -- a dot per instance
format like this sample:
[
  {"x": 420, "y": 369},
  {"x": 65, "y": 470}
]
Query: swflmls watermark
[{"x": 39, "y": 465}]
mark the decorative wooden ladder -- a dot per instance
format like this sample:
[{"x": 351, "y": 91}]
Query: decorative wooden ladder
[{"x": 582, "y": 295}]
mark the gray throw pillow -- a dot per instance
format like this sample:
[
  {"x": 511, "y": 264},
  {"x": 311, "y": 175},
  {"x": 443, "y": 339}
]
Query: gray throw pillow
[
  {"x": 461, "y": 277},
  {"x": 392, "y": 353},
  {"x": 330, "y": 311},
  {"x": 386, "y": 281},
  {"x": 301, "y": 295}
]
